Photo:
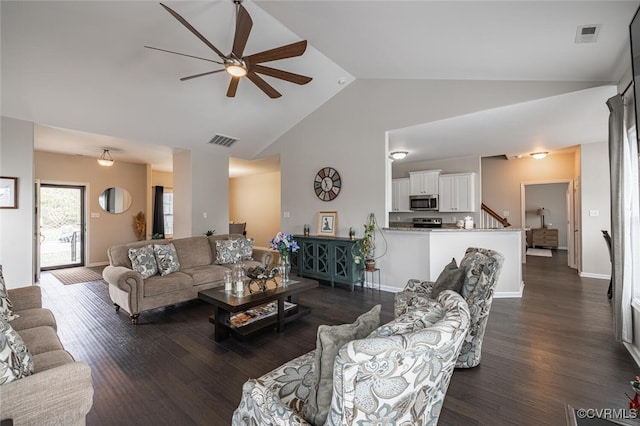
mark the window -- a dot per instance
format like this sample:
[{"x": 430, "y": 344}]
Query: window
[{"x": 167, "y": 206}]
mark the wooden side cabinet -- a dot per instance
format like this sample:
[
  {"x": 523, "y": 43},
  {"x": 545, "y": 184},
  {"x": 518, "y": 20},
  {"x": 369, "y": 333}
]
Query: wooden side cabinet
[
  {"x": 328, "y": 259},
  {"x": 543, "y": 237}
]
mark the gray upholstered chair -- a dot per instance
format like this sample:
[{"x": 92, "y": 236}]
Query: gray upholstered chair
[
  {"x": 482, "y": 269},
  {"x": 238, "y": 228},
  {"x": 399, "y": 374}
]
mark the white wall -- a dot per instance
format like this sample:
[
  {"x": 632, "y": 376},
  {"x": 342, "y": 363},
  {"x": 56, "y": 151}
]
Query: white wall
[
  {"x": 16, "y": 225},
  {"x": 200, "y": 188},
  {"x": 595, "y": 196}
]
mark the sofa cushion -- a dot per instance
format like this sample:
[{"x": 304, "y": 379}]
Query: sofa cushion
[
  {"x": 41, "y": 339},
  {"x": 143, "y": 260},
  {"x": 15, "y": 360},
  {"x": 166, "y": 258},
  {"x": 205, "y": 274},
  {"x": 193, "y": 251},
  {"x": 451, "y": 278},
  {"x": 227, "y": 252},
  {"x": 30, "y": 318},
  {"x": 51, "y": 359},
  {"x": 158, "y": 284},
  {"x": 329, "y": 341},
  {"x": 6, "y": 307}
]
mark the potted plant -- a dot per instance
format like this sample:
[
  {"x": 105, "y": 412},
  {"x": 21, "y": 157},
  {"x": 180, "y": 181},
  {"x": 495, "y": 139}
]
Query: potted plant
[{"x": 366, "y": 246}]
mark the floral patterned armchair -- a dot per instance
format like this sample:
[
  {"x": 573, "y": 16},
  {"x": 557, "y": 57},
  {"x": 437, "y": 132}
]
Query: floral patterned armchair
[
  {"x": 482, "y": 269},
  {"x": 399, "y": 374}
]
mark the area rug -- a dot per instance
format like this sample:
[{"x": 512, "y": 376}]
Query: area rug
[
  {"x": 77, "y": 275},
  {"x": 538, "y": 252}
]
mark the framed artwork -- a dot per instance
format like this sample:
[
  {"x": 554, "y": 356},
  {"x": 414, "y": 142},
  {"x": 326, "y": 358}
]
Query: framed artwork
[
  {"x": 327, "y": 224},
  {"x": 8, "y": 192}
]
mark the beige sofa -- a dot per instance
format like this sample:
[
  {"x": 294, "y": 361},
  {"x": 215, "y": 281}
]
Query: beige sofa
[
  {"x": 60, "y": 390},
  {"x": 196, "y": 255}
]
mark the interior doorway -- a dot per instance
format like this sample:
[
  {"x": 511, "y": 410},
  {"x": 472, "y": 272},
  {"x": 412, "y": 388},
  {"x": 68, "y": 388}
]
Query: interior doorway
[
  {"x": 61, "y": 223},
  {"x": 551, "y": 204}
]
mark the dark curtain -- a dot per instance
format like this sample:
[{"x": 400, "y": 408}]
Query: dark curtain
[{"x": 158, "y": 211}]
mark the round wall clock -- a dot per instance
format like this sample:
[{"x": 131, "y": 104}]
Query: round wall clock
[{"x": 327, "y": 184}]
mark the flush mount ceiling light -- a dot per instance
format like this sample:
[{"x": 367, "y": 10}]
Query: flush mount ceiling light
[
  {"x": 105, "y": 159},
  {"x": 539, "y": 155},
  {"x": 398, "y": 155}
]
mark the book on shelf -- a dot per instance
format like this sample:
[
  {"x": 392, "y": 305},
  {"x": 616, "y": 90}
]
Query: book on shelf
[{"x": 259, "y": 312}]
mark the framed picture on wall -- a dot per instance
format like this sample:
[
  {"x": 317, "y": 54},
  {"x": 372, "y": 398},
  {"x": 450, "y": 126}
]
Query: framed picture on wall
[
  {"x": 327, "y": 224},
  {"x": 8, "y": 192}
]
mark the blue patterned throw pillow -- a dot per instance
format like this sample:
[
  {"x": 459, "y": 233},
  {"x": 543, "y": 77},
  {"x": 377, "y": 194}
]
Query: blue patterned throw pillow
[
  {"x": 167, "y": 258},
  {"x": 143, "y": 260}
]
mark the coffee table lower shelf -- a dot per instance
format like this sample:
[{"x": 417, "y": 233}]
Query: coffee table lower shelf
[{"x": 290, "y": 315}]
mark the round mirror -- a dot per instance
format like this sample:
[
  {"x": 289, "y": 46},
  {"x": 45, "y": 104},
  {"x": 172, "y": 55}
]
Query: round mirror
[{"x": 115, "y": 200}]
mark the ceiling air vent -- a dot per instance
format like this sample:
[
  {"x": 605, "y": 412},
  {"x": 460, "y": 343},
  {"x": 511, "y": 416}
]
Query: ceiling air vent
[
  {"x": 587, "y": 33},
  {"x": 223, "y": 140}
]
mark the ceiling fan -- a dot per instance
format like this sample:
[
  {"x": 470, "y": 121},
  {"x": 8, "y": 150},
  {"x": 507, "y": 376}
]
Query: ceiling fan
[{"x": 237, "y": 65}]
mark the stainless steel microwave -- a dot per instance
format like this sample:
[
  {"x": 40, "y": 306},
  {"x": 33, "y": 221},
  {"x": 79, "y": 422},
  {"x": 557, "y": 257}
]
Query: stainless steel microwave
[{"x": 423, "y": 202}]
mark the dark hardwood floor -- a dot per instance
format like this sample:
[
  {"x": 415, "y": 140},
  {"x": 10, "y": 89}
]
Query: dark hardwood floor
[{"x": 553, "y": 346}]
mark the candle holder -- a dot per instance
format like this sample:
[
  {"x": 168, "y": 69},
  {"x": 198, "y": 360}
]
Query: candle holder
[
  {"x": 306, "y": 230},
  {"x": 352, "y": 234}
]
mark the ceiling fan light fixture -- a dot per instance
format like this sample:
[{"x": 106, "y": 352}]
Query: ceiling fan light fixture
[
  {"x": 539, "y": 155},
  {"x": 398, "y": 155},
  {"x": 105, "y": 159},
  {"x": 235, "y": 70}
]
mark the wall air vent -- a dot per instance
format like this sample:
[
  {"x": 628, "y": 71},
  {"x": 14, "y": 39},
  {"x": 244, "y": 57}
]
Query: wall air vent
[
  {"x": 587, "y": 33},
  {"x": 223, "y": 140}
]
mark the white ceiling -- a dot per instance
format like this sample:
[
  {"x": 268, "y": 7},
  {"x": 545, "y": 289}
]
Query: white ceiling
[{"x": 82, "y": 66}]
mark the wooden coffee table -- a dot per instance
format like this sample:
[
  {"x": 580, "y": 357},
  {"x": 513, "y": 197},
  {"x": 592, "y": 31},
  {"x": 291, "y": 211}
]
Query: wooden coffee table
[{"x": 228, "y": 303}]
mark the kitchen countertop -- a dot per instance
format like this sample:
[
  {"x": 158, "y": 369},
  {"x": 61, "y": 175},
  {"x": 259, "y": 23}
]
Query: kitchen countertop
[{"x": 449, "y": 229}]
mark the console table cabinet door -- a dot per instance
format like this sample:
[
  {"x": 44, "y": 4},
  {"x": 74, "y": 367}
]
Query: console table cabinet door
[{"x": 329, "y": 259}]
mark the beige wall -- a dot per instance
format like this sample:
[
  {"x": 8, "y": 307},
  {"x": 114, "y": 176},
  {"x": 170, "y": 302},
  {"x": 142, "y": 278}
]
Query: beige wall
[
  {"x": 162, "y": 178},
  {"x": 502, "y": 179},
  {"x": 108, "y": 229},
  {"x": 256, "y": 200}
]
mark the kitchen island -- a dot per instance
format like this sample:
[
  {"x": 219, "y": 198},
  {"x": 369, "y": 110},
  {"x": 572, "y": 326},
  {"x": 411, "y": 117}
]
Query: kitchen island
[{"x": 422, "y": 253}]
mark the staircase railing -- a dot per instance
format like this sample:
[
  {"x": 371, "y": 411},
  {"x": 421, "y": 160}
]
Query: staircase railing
[{"x": 489, "y": 219}]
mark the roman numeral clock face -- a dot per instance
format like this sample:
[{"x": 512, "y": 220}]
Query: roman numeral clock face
[{"x": 327, "y": 184}]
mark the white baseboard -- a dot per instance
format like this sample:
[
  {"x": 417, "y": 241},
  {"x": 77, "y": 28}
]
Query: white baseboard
[
  {"x": 510, "y": 294},
  {"x": 596, "y": 276}
]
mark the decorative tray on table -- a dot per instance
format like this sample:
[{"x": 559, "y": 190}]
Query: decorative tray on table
[{"x": 260, "y": 275}]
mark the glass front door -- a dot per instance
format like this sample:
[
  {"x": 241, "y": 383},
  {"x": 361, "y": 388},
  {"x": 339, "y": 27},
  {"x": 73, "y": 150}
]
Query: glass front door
[{"x": 62, "y": 226}]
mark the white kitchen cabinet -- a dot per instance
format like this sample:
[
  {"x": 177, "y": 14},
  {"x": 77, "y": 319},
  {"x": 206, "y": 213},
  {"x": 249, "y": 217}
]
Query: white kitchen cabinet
[
  {"x": 457, "y": 192},
  {"x": 424, "y": 182},
  {"x": 400, "y": 195}
]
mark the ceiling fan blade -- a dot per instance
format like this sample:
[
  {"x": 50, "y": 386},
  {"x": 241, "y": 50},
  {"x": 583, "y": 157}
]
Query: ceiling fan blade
[
  {"x": 282, "y": 52},
  {"x": 193, "y": 30},
  {"x": 244, "y": 23},
  {"x": 200, "y": 75},
  {"x": 283, "y": 75},
  {"x": 233, "y": 86},
  {"x": 263, "y": 85},
  {"x": 184, "y": 54}
]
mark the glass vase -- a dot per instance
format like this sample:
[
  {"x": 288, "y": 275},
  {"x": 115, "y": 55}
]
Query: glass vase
[{"x": 285, "y": 268}]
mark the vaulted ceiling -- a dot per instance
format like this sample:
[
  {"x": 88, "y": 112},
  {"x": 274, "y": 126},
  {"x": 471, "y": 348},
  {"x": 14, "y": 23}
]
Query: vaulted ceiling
[{"x": 81, "y": 66}]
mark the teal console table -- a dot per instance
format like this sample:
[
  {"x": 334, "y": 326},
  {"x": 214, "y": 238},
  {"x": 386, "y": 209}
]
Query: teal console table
[{"x": 327, "y": 258}]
